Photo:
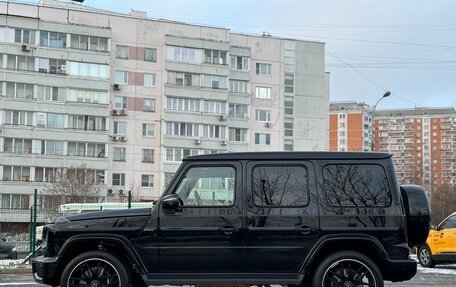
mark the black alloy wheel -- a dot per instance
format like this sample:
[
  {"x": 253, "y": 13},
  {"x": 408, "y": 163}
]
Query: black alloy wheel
[
  {"x": 95, "y": 269},
  {"x": 348, "y": 269}
]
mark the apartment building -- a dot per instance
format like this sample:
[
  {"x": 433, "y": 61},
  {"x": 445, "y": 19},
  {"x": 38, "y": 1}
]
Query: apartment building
[
  {"x": 350, "y": 126},
  {"x": 129, "y": 97},
  {"x": 423, "y": 142}
]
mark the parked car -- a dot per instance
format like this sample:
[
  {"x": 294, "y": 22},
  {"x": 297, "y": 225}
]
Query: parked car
[
  {"x": 288, "y": 218},
  {"x": 440, "y": 246},
  {"x": 7, "y": 251}
]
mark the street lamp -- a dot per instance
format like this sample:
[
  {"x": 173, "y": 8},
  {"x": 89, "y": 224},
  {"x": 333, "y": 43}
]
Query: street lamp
[{"x": 385, "y": 95}]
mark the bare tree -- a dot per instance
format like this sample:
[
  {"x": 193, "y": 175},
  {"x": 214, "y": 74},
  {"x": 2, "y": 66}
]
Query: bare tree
[
  {"x": 75, "y": 185},
  {"x": 443, "y": 202}
]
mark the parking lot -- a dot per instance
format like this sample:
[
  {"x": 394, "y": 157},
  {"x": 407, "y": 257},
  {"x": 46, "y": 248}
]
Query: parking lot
[{"x": 444, "y": 275}]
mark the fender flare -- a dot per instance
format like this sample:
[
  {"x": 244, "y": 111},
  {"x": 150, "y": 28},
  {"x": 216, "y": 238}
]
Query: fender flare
[{"x": 106, "y": 237}]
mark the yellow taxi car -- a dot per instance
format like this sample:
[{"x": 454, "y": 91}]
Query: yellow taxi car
[{"x": 440, "y": 245}]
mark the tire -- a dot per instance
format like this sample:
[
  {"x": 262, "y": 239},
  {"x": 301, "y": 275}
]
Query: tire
[
  {"x": 425, "y": 257},
  {"x": 95, "y": 269},
  {"x": 347, "y": 268}
]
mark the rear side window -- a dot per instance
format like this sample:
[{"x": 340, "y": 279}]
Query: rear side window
[
  {"x": 276, "y": 186},
  {"x": 350, "y": 185}
]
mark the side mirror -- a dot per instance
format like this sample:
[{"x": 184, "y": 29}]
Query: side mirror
[
  {"x": 170, "y": 203},
  {"x": 433, "y": 227}
]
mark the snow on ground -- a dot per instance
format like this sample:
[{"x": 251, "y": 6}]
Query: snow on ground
[{"x": 9, "y": 264}]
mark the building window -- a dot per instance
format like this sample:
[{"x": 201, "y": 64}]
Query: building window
[
  {"x": 288, "y": 145},
  {"x": 182, "y": 129},
  {"x": 149, "y": 80},
  {"x": 263, "y": 115},
  {"x": 238, "y": 111},
  {"x": 86, "y": 149},
  {"x": 183, "y": 104},
  {"x": 20, "y": 118},
  {"x": 121, "y": 77},
  {"x": 147, "y": 155},
  {"x": 51, "y": 147},
  {"x": 263, "y": 93},
  {"x": 263, "y": 69},
  {"x": 15, "y": 201},
  {"x": 88, "y": 96},
  {"x": 237, "y": 135},
  {"x": 214, "y": 82},
  {"x": 16, "y": 173},
  {"x": 241, "y": 87},
  {"x": 88, "y": 70},
  {"x": 120, "y": 154},
  {"x": 55, "y": 94},
  {"x": 213, "y": 131},
  {"x": 24, "y": 36},
  {"x": 52, "y": 66},
  {"x": 288, "y": 125},
  {"x": 183, "y": 79},
  {"x": 262, "y": 139},
  {"x": 120, "y": 102},
  {"x": 87, "y": 123},
  {"x": 149, "y": 105},
  {"x": 289, "y": 83},
  {"x": 215, "y": 57},
  {"x": 150, "y": 54},
  {"x": 19, "y": 90},
  {"x": 89, "y": 43},
  {"x": 121, "y": 52},
  {"x": 17, "y": 145},
  {"x": 148, "y": 130},
  {"x": 214, "y": 107},
  {"x": 22, "y": 63},
  {"x": 177, "y": 154},
  {"x": 120, "y": 128},
  {"x": 240, "y": 63},
  {"x": 289, "y": 105},
  {"x": 147, "y": 180},
  {"x": 53, "y": 39},
  {"x": 118, "y": 179},
  {"x": 184, "y": 54}
]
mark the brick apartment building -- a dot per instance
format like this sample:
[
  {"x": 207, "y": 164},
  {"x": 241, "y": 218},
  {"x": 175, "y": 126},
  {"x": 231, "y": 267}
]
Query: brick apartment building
[
  {"x": 349, "y": 126},
  {"x": 423, "y": 142}
]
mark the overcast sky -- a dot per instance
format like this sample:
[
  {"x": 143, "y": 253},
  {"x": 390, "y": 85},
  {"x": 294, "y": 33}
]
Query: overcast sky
[{"x": 406, "y": 46}]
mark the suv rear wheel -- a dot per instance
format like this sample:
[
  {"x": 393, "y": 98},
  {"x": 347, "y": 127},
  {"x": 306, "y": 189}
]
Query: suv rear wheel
[
  {"x": 425, "y": 257},
  {"x": 95, "y": 269},
  {"x": 348, "y": 269}
]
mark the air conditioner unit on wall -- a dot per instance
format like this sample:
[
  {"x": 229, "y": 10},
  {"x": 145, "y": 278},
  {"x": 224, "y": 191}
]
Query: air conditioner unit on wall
[
  {"x": 267, "y": 124},
  {"x": 123, "y": 112},
  {"x": 116, "y": 87},
  {"x": 115, "y": 112},
  {"x": 123, "y": 138},
  {"x": 25, "y": 48},
  {"x": 222, "y": 117},
  {"x": 115, "y": 138},
  {"x": 223, "y": 142},
  {"x": 197, "y": 141}
]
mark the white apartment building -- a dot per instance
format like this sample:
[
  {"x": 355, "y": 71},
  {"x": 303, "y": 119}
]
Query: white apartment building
[{"x": 130, "y": 96}]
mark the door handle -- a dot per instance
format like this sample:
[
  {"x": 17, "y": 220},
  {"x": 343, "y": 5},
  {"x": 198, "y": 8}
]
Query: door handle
[
  {"x": 304, "y": 229},
  {"x": 227, "y": 230}
]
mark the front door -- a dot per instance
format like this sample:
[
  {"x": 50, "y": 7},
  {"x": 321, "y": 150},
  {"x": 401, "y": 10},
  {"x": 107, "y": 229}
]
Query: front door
[
  {"x": 204, "y": 234},
  {"x": 282, "y": 215}
]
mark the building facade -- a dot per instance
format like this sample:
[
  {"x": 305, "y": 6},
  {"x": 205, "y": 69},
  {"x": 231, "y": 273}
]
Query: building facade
[
  {"x": 350, "y": 127},
  {"x": 423, "y": 142},
  {"x": 128, "y": 97}
]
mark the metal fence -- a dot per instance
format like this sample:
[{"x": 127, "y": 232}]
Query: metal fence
[{"x": 21, "y": 226}]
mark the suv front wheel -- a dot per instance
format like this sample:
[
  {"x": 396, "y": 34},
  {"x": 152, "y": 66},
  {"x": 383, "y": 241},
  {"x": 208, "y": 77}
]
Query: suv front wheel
[
  {"x": 347, "y": 268},
  {"x": 425, "y": 257},
  {"x": 95, "y": 269}
]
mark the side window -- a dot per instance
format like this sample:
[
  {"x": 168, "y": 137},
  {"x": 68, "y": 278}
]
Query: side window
[
  {"x": 351, "y": 185},
  {"x": 449, "y": 223},
  {"x": 208, "y": 186},
  {"x": 276, "y": 186}
]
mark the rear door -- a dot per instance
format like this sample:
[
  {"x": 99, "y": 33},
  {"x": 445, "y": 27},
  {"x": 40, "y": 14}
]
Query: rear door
[{"x": 282, "y": 215}]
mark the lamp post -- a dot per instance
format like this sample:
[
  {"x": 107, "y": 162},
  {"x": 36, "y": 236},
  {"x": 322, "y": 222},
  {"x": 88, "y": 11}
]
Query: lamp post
[{"x": 385, "y": 95}]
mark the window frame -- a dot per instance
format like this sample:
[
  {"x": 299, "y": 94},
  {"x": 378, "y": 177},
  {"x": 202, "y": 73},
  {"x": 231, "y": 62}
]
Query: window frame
[
  {"x": 183, "y": 174},
  {"x": 387, "y": 176},
  {"x": 266, "y": 164}
]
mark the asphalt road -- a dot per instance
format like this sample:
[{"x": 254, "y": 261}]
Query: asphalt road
[{"x": 443, "y": 276}]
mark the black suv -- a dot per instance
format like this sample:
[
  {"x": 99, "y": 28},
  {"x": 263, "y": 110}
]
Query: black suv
[{"x": 293, "y": 218}]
